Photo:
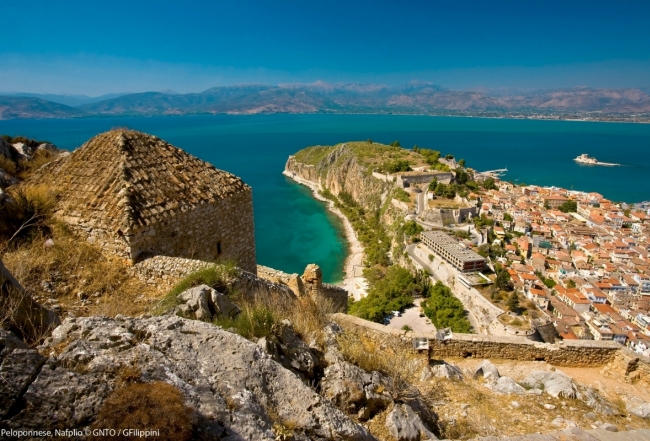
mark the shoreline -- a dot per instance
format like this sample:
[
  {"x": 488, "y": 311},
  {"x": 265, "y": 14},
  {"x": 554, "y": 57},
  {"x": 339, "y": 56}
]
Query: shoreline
[{"x": 355, "y": 249}]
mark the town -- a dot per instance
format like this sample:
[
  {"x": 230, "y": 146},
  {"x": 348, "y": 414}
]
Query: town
[{"x": 568, "y": 258}]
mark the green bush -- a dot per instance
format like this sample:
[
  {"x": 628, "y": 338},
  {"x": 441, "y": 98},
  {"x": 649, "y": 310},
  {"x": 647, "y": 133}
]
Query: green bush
[
  {"x": 401, "y": 195},
  {"x": 444, "y": 310},
  {"x": 389, "y": 291}
]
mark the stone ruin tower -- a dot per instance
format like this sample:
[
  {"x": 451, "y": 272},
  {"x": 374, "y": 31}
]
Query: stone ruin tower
[{"x": 135, "y": 196}]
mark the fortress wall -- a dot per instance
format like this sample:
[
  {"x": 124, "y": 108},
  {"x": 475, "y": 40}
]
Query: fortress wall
[
  {"x": 633, "y": 367},
  {"x": 581, "y": 353},
  {"x": 196, "y": 233},
  {"x": 309, "y": 284}
]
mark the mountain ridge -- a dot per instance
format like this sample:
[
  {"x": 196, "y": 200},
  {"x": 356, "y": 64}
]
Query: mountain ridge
[{"x": 322, "y": 97}]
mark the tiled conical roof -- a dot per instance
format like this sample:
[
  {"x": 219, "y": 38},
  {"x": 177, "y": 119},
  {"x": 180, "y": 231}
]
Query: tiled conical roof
[{"x": 124, "y": 180}]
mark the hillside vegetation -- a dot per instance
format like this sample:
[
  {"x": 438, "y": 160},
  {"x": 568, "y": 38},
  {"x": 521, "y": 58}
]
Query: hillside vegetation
[{"x": 344, "y": 170}]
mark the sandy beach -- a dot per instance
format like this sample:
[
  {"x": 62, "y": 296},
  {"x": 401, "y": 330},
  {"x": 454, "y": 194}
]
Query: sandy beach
[{"x": 355, "y": 250}]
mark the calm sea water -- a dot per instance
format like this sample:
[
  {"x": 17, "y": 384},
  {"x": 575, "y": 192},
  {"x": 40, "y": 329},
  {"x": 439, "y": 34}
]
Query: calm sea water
[{"x": 292, "y": 229}]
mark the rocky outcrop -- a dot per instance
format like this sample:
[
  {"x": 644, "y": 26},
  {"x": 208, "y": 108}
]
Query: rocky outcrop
[
  {"x": 341, "y": 171},
  {"x": 236, "y": 389},
  {"x": 204, "y": 303},
  {"x": 555, "y": 384}
]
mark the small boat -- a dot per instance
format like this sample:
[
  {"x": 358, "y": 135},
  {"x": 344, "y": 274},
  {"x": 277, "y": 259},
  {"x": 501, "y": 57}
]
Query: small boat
[{"x": 586, "y": 159}]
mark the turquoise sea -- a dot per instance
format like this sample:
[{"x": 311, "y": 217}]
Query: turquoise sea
[{"x": 293, "y": 229}]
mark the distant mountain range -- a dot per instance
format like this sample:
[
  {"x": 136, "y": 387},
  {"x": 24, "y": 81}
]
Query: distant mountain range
[{"x": 321, "y": 97}]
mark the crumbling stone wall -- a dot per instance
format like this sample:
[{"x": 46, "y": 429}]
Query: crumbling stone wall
[
  {"x": 630, "y": 366},
  {"x": 170, "y": 270},
  {"x": 309, "y": 284},
  {"x": 567, "y": 353}
]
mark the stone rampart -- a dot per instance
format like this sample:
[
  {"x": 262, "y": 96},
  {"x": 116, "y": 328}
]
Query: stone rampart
[
  {"x": 170, "y": 270},
  {"x": 310, "y": 283},
  {"x": 630, "y": 366},
  {"x": 566, "y": 353}
]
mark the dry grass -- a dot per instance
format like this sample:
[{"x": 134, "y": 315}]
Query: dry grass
[
  {"x": 492, "y": 414},
  {"x": 8, "y": 165},
  {"x": 71, "y": 266},
  {"x": 149, "y": 406},
  {"x": 392, "y": 358},
  {"x": 260, "y": 316}
]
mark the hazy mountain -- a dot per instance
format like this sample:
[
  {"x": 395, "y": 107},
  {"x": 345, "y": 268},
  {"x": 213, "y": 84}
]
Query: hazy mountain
[
  {"x": 323, "y": 97},
  {"x": 68, "y": 100},
  {"x": 29, "y": 107}
]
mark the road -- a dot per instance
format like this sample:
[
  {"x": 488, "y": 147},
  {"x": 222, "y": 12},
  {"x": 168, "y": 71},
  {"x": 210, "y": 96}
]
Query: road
[{"x": 410, "y": 249}]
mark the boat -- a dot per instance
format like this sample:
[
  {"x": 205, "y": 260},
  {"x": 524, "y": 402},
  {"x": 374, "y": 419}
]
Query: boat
[{"x": 586, "y": 159}]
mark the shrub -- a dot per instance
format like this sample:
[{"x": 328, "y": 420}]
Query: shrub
[
  {"x": 444, "y": 310},
  {"x": 215, "y": 276},
  {"x": 389, "y": 291},
  {"x": 152, "y": 406},
  {"x": 27, "y": 212}
]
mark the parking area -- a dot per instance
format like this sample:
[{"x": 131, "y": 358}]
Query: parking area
[{"x": 411, "y": 317}]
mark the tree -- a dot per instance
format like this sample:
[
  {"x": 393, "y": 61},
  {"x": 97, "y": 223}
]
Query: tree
[
  {"x": 568, "y": 207},
  {"x": 513, "y": 302},
  {"x": 449, "y": 156},
  {"x": 416, "y": 148},
  {"x": 489, "y": 184},
  {"x": 433, "y": 184},
  {"x": 503, "y": 280},
  {"x": 461, "y": 176},
  {"x": 395, "y": 144},
  {"x": 571, "y": 284},
  {"x": 461, "y": 163},
  {"x": 507, "y": 217},
  {"x": 369, "y": 141}
]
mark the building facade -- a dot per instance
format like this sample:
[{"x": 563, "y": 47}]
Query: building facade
[{"x": 453, "y": 252}]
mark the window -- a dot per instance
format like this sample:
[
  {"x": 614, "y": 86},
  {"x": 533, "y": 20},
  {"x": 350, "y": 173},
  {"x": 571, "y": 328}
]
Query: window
[{"x": 218, "y": 248}]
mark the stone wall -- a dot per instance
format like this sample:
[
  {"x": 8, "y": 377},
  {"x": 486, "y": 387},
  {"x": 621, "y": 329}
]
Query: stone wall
[
  {"x": 566, "y": 353},
  {"x": 196, "y": 234},
  {"x": 630, "y": 366},
  {"x": 170, "y": 270},
  {"x": 446, "y": 216},
  {"x": 309, "y": 284}
]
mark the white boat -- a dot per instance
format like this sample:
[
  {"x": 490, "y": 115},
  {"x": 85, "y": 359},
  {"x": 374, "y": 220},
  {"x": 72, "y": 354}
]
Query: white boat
[{"x": 586, "y": 159}]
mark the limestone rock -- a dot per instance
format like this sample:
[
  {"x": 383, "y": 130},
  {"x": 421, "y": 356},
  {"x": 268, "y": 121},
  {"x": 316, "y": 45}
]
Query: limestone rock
[
  {"x": 296, "y": 352},
  {"x": 446, "y": 370},
  {"x": 488, "y": 371},
  {"x": 507, "y": 386},
  {"x": 354, "y": 390},
  {"x": 47, "y": 147},
  {"x": 556, "y": 384},
  {"x": 4, "y": 148},
  {"x": 23, "y": 150},
  {"x": 19, "y": 366},
  {"x": 404, "y": 424},
  {"x": 609, "y": 427},
  {"x": 233, "y": 386},
  {"x": 6, "y": 179},
  {"x": 196, "y": 300},
  {"x": 222, "y": 304},
  {"x": 642, "y": 411}
]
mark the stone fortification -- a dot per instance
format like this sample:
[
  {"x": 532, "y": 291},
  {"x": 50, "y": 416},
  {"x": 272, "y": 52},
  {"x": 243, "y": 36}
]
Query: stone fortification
[
  {"x": 169, "y": 270},
  {"x": 581, "y": 353},
  {"x": 447, "y": 216},
  {"x": 309, "y": 284},
  {"x": 135, "y": 195},
  {"x": 405, "y": 179}
]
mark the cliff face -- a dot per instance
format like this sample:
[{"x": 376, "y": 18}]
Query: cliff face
[{"x": 340, "y": 169}]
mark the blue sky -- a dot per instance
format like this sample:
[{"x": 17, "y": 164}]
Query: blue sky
[{"x": 128, "y": 46}]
